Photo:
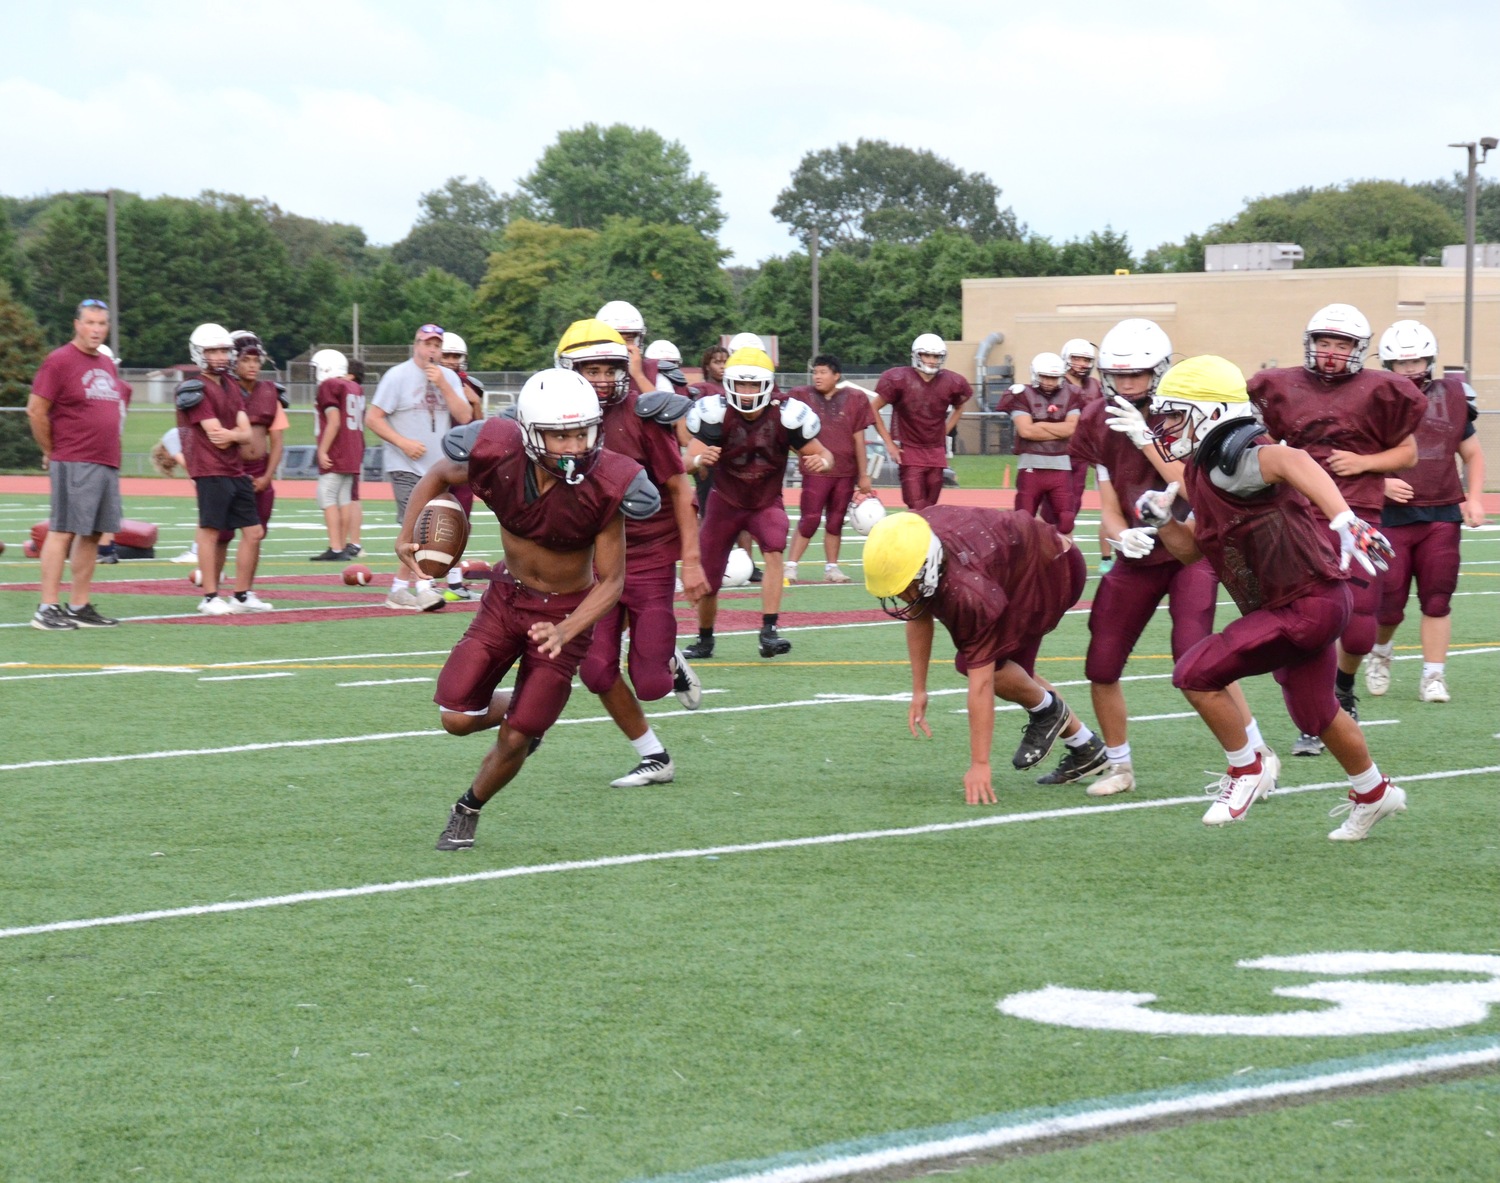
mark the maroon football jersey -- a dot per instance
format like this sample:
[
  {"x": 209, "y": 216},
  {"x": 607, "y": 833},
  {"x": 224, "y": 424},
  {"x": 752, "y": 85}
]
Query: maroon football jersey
[
  {"x": 1130, "y": 472},
  {"x": 1002, "y": 583},
  {"x": 1269, "y": 549},
  {"x": 221, "y": 401},
  {"x": 845, "y": 414},
  {"x": 1444, "y": 426},
  {"x": 347, "y": 452},
  {"x": 653, "y": 542},
  {"x": 261, "y": 402},
  {"x": 1043, "y": 408},
  {"x": 1091, "y": 391},
  {"x": 1366, "y": 412},
  {"x": 566, "y": 517},
  {"x": 752, "y": 460},
  {"x": 920, "y": 412}
]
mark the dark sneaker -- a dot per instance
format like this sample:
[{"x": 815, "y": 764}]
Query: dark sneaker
[
  {"x": 1307, "y": 745},
  {"x": 699, "y": 649},
  {"x": 458, "y": 834},
  {"x": 109, "y": 556},
  {"x": 1349, "y": 701},
  {"x": 1041, "y": 733},
  {"x": 330, "y": 556},
  {"x": 652, "y": 770},
  {"x": 52, "y": 618},
  {"x": 354, "y": 550},
  {"x": 756, "y": 574},
  {"x": 1077, "y": 763},
  {"x": 772, "y": 645},
  {"x": 88, "y": 617}
]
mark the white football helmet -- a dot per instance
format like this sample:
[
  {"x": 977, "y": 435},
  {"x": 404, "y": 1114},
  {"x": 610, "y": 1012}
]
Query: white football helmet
[
  {"x": 664, "y": 350},
  {"x": 1047, "y": 365},
  {"x": 453, "y": 343},
  {"x": 864, "y": 515},
  {"x": 559, "y": 400},
  {"x": 1078, "y": 347},
  {"x": 625, "y": 319},
  {"x": 1134, "y": 346},
  {"x": 209, "y": 336},
  {"x": 329, "y": 363},
  {"x": 749, "y": 365},
  {"x": 106, "y": 351},
  {"x": 1338, "y": 320},
  {"x": 745, "y": 341},
  {"x": 1406, "y": 340},
  {"x": 929, "y": 343},
  {"x": 738, "y": 569}
]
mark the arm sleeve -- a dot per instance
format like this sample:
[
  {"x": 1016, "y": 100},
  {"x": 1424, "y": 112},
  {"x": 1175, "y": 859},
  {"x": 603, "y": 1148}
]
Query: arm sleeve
[{"x": 1246, "y": 480}]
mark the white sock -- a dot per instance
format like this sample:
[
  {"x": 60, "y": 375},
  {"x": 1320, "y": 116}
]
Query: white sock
[
  {"x": 1242, "y": 758},
  {"x": 1044, "y": 705},
  {"x": 830, "y": 566},
  {"x": 1366, "y": 781},
  {"x": 1384, "y": 650},
  {"x": 647, "y": 745},
  {"x": 1252, "y": 733},
  {"x": 455, "y": 577},
  {"x": 1119, "y": 755},
  {"x": 1433, "y": 667},
  {"x": 399, "y": 585},
  {"x": 1082, "y": 737}
]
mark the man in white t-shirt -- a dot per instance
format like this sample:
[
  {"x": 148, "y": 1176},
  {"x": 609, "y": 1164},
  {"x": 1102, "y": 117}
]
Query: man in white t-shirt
[{"x": 413, "y": 408}]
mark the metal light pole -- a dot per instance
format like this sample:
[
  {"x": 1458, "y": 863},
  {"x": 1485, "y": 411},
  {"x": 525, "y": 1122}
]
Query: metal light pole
[
  {"x": 812, "y": 255},
  {"x": 114, "y": 268},
  {"x": 1478, "y": 153}
]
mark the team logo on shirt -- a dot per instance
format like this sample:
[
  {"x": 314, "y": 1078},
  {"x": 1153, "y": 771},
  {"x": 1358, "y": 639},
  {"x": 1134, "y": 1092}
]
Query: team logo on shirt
[{"x": 100, "y": 384}]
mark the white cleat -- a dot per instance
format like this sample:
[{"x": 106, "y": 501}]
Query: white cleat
[
  {"x": 189, "y": 557},
  {"x": 685, "y": 683},
  {"x": 1118, "y": 778},
  {"x": 1362, "y": 818},
  {"x": 1434, "y": 688},
  {"x": 1377, "y": 674},
  {"x": 789, "y": 572},
  {"x": 1235, "y": 796},
  {"x": 1271, "y": 762},
  {"x": 652, "y": 770},
  {"x": 214, "y": 606},
  {"x": 251, "y": 603},
  {"x": 832, "y": 573}
]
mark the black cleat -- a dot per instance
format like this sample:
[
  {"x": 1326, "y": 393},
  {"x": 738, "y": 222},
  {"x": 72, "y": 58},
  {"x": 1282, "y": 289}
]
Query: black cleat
[
  {"x": 51, "y": 618},
  {"x": 1349, "y": 702},
  {"x": 88, "y": 617},
  {"x": 1041, "y": 733},
  {"x": 1077, "y": 763},
  {"x": 458, "y": 834},
  {"x": 1307, "y": 745},
  {"x": 699, "y": 649},
  {"x": 756, "y": 574},
  {"x": 331, "y": 556},
  {"x": 772, "y": 645}
]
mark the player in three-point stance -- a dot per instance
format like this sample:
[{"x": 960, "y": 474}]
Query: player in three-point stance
[
  {"x": 1267, "y": 517},
  {"x": 999, "y": 580},
  {"x": 561, "y": 501}
]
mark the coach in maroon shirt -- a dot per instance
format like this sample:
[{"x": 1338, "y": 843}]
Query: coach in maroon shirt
[{"x": 76, "y": 415}]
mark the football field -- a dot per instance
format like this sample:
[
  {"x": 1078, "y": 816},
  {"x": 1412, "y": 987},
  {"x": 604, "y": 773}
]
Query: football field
[{"x": 228, "y": 948}]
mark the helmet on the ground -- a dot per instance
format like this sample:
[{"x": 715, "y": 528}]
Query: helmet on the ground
[{"x": 738, "y": 569}]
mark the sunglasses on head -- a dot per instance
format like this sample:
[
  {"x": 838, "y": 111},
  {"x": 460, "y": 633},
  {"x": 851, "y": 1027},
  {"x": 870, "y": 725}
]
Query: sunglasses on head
[{"x": 82, "y": 304}]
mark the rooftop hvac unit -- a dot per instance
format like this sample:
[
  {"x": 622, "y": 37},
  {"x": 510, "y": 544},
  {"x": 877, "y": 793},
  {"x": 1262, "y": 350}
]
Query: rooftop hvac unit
[{"x": 1251, "y": 256}]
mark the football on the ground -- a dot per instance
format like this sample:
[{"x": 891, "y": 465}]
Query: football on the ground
[
  {"x": 357, "y": 575},
  {"x": 441, "y": 533},
  {"x": 477, "y": 568},
  {"x": 30, "y": 549},
  {"x": 2, "y": 548},
  {"x": 196, "y": 577}
]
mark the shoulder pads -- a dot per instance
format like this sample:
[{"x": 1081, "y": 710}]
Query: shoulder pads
[
  {"x": 189, "y": 394},
  {"x": 1226, "y": 444},
  {"x": 673, "y": 375},
  {"x": 642, "y": 498},
  {"x": 661, "y": 406},
  {"x": 1472, "y": 399},
  {"x": 281, "y": 395},
  {"x": 509, "y": 412},
  {"x": 458, "y": 444},
  {"x": 706, "y": 413},
  {"x": 798, "y": 416}
]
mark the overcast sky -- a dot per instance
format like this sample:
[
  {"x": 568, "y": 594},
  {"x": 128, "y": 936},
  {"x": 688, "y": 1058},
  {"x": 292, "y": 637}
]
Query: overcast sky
[{"x": 1155, "y": 118}]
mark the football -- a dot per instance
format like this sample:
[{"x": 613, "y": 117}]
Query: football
[
  {"x": 474, "y": 568},
  {"x": 30, "y": 549},
  {"x": 357, "y": 575},
  {"x": 441, "y": 533},
  {"x": 196, "y": 577},
  {"x": 2, "y": 548}
]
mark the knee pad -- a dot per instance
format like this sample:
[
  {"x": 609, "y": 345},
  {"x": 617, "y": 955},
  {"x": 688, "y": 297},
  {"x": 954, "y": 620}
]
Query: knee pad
[
  {"x": 598, "y": 674},
  {"x": 1438, "y": 603}
]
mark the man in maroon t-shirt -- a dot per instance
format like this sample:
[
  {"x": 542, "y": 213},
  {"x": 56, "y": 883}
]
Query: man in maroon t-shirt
[
  {"x": 999, "y": 581},
  {"x": 562, "y": 502},
  {"x": 744, "y": 434},
  {"x": 339, "y": 410},
  {"x": 1267, "y": 517},
  {"x": 844, "y": 412},
  {"x": 926, "y": 402},
  {"x": 76, "y": 416},
  {"x": 212, "y": 419},
  {"x": 1358, "y": 424}
]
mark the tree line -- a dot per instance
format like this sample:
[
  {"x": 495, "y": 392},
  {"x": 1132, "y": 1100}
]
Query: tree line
[{"x": 619, "y": 213}]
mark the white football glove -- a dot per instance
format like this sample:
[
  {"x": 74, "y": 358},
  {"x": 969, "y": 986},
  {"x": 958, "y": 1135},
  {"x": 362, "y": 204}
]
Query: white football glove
[
  {"x": 1154, "y": 506},
  {"x": 1122, "y": 416},
  {"x": 1136, "y": 542},
  {"x": 1360, "y": 540}
]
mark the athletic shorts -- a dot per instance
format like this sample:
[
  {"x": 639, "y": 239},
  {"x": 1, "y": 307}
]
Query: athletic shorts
[
  {"x": 402, "y": 483},
  {"x": 226, "y": 503},
  {"x": 335, "y": 489},
  {"x": 722, "y": 524},
  {"x": 85, "y": 498},
  {"x": 824, "y": 496}
]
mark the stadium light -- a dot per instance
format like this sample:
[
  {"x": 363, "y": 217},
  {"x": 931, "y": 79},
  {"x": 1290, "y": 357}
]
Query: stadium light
[{"x": 1478, "y": 153}]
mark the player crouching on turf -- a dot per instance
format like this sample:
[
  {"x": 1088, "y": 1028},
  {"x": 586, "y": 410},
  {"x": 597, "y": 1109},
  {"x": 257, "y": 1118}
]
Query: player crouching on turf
[
  {"x": 1254, "y": 519},
  {"x": 641, "y": 426},
  {"x": 561, "y": 501},
  {"x": 744, "y": 434},
  {"x": 999, "y": 580}
]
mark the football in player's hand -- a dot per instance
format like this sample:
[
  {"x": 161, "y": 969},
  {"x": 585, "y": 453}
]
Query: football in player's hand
[
  {"x": 441, "y": 533},
  {"x": 357, "y": 575}
]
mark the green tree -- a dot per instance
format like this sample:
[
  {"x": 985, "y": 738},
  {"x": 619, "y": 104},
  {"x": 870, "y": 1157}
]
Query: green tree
[
  {"x": 518, "y": 304},
  {"x": 1453, "y": 195},
  {"x": 593, "y": 173},
  {"x": 464, "y": 203},
  {"x": 881, "y": 192},
  {"x": 456, "y": 248},
  {"x": 21, "y": 353},
  {"x": 1186, "y": 255}
]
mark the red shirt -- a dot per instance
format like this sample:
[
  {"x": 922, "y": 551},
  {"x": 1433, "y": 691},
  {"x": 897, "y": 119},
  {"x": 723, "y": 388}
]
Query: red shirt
[
  {"x": 845, "y": 414},
  {"x": 921, "y": 408},
  {"x": 347, "y": 452},
  {"x": 88, "y": 405},
  {"x": 653, "y": 542},
  {"x": 1130, "y": 473},
  {"x": 1366, "y": 412},
  {"x": 1004, "y": 580},
  {"x": 221, "y": 402}
]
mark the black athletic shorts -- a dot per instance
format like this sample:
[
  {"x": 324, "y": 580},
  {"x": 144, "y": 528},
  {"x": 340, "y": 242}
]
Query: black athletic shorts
[{"x": 226, "y": 502}]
